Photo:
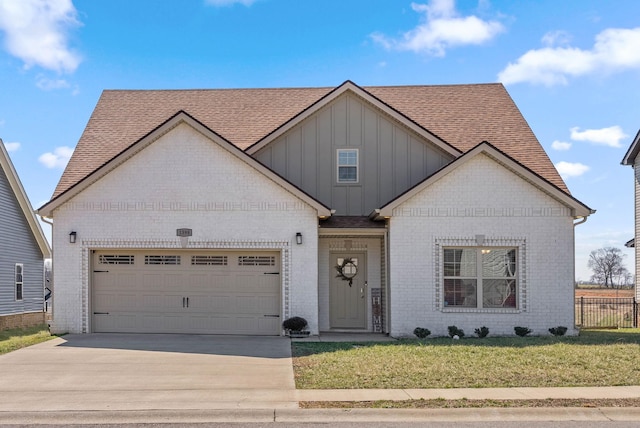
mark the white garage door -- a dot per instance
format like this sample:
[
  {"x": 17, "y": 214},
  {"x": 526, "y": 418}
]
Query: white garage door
[{"x": 186, "y": 292}]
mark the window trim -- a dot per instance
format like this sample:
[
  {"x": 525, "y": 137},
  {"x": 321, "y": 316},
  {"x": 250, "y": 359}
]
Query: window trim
[
  {"x": 356, "y": 166},
  {"x": 479, "y": 278},
  {"x": 480, "y": 241},
  {"x": 18, "y": 284}
]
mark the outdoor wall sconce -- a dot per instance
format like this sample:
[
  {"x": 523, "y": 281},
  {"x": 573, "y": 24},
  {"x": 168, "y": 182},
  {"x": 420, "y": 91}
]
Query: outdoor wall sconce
[
  {"x": 299, "y": 238},
  {"x": 72, "y": 237}
]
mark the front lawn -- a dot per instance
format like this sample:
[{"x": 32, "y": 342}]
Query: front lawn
[
  {"x": 17, "y": 338},
  {"x": 595, "y": 358}
]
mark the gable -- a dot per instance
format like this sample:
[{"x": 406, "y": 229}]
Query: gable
[
  {"x": 391, "y": 157},
  {"x": 180, "y": 164},
  {"x": 481, "y": 177},
  {"x": 19, "y": 227},
  {"x": 482, "y": 187}
]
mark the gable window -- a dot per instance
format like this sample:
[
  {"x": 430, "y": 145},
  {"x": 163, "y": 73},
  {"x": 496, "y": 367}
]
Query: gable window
[
  {"x": 347, "y": 165},
  {"x": 480, "y": 277},
  {"x": 18, "y": 280}
]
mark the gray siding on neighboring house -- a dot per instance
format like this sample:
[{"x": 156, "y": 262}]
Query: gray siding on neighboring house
[
  {"x": 18, "y": 245},
  {"x": 391, "y": 157}
]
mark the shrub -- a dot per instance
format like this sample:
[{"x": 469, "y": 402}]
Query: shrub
[
  {"x": 455, "y": 331},
  {"x": 294, "y": 324},
  {"x": 558, "y": 331},
  {"x": 482, "y": 332},
  {"x": 421, "y": 333},
  {"x": 522, "y": 331}
]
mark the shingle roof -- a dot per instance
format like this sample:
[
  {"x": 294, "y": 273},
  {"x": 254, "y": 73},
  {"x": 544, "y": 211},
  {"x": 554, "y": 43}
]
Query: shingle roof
[{"x": 462, "y": 115}]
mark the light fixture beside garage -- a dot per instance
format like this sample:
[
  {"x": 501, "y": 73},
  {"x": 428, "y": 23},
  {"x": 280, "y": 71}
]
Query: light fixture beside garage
[
  {"x": 299, "y": 238},
  {"x": 184, "y": 235},
  {"x": 72, "y": 237}
]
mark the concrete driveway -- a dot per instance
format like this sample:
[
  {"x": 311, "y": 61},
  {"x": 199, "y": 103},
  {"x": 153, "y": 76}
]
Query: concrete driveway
[{"x": 150, "y": 371}]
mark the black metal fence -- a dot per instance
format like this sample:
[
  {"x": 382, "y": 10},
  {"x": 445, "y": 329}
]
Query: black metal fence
[{"x": 606, "y": 312}]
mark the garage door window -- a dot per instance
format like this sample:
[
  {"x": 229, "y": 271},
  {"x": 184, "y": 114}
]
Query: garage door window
[
  {"x": 162, "y": 260},
  {"x": 115, "y": 259},
  {"x": 256, "y": 261},
  {"x": 209, "y": 260}
]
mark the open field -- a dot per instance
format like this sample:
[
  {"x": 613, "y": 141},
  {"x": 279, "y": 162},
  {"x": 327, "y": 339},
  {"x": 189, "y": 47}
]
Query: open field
[{"x": 605, "y": 293}]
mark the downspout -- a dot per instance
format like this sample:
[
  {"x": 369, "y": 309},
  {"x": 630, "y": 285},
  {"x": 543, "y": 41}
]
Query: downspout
[
  {"x": 582, "y": 219},
  {"x": 50, "y": 223}
]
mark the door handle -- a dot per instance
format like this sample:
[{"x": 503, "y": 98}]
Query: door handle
[
  {"x": 183, "y": 301},
  {"x": 187, "y": 302}
]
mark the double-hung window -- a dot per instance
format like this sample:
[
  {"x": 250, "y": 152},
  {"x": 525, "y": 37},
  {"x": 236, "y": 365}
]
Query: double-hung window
[
  {"x": 19, "y": 280},
  {"x": 480, "y": 277},
  {"x": 347, "y": 165}
]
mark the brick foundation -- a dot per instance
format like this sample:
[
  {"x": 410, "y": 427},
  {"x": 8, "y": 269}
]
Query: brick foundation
[{"x": 30, "y": 319}]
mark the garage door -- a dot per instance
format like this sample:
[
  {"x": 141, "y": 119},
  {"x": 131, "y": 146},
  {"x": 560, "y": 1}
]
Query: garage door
[{"x": 186, "y": 292}]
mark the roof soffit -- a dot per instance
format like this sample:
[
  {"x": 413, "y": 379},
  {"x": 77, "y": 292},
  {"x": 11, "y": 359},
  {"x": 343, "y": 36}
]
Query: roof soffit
[{"x": 174, "y": 121}]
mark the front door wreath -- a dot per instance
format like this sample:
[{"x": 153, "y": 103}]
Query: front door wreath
[{"x": 347, "y": 270}]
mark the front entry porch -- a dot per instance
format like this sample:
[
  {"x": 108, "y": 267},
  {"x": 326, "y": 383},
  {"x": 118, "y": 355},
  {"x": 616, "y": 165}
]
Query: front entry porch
[{"x": 351, "y": 280}]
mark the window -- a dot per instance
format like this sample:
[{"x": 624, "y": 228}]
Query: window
[
  {"x": 19, "y": 279},
  {"x": 347, "y": 165},
  {"x": 480, "y": 277}
]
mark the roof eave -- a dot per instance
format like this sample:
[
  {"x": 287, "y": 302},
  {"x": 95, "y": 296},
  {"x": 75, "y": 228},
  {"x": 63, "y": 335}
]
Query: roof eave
[{"x": 632, "y": 152}]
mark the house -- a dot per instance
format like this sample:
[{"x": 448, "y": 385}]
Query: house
[
  {"x": 23, "y": 249},
  {"x": 361, "y": 209},
  {"x": 631, "y": 158}
]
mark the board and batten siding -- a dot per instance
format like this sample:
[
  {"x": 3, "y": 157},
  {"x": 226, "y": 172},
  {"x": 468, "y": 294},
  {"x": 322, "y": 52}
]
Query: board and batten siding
[
  {"x": 18, "y": 245},
  {"x": 391, "y": 157}
]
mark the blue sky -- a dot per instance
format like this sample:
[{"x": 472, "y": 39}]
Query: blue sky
[{"x": 572, "y": 67}]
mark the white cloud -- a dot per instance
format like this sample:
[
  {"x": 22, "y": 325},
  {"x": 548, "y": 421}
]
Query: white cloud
[
  {"x": 442, "y": 28},
  {"x": 36, "y": 32},
  {"x": 610, "y": 136},
  {"x": 560, "y": 145},
  {"x": 58, "y": 159},
  {"x": 47, "y": 84},
  {"x": 556, "y": 38},
  {"x": 12, "y": 147},
  {"x": 614, "y": 50},
  {"x": 568, "y": 169},
  {"x": 222, "y": 3}
]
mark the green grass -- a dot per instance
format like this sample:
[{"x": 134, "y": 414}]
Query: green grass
[
  {"x": 595, "y": 358},
  {"x": 13, "y": 339}
]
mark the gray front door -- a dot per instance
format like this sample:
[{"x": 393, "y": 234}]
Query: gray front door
[{"x": 348, "y": 291}]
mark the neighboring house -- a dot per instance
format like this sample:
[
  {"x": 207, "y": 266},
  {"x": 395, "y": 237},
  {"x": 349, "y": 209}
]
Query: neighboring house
[
  {"x": 631, "y": 158},
  {"x": 361, "y": 209},
  {"x": 23, "y": 249}
]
